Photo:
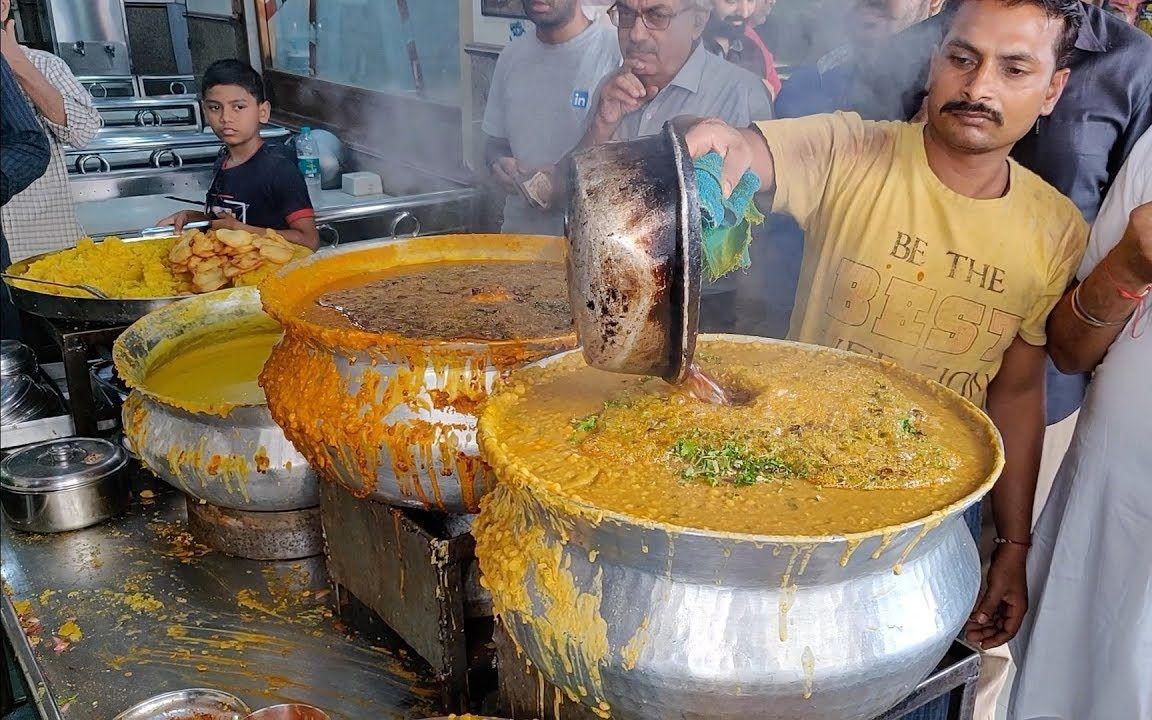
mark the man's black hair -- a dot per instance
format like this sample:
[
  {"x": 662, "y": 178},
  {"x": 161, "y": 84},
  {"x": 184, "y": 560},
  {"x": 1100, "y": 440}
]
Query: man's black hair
[
  {"x": 233, "y": 72},
  {"x": 1068, "y": 11}
]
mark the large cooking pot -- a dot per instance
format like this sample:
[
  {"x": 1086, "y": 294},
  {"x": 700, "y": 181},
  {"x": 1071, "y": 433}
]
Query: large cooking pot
[
  {"x": 388, "y": 417},
  {"x": 654, "y": 622},
  {"x": 230, "y": 457}
]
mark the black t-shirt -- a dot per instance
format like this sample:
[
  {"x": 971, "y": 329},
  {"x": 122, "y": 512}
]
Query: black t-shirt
[{"x": 268, "y": 191}]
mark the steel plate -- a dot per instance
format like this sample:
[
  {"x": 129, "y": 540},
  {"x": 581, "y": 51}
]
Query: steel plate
[{"x": 186, "y": 705}]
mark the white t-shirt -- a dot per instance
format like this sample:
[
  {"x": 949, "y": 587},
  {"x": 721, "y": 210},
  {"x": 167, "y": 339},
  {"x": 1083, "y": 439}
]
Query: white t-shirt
[
  {"x": 1086, "y": 639},
  {"x": 539, "y": 101}
]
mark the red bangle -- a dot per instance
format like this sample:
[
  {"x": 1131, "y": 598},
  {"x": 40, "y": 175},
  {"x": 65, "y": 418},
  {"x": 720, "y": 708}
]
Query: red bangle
[
  {"x": 1123, "y": 291},
  {"x": 1138, "y": 298}
]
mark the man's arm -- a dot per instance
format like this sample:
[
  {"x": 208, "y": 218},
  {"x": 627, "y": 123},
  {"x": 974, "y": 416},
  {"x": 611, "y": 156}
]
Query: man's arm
[
  {"x": 24, "y": 152},
  {"x": 60, "y": 99},
  {"x": 1108, "y": 294},
  {"x": 1016, "y": 405}
]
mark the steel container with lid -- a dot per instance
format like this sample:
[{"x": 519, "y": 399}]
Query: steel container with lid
[{"x": 63, "y": 485}]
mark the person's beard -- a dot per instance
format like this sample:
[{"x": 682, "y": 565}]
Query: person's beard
[{"x": 730, "y": 27}]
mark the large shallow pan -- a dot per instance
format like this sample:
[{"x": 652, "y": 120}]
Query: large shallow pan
[{"x": 113, "y": 311}]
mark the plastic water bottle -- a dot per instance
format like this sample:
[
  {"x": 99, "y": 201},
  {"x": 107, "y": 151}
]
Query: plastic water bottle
[{"x": 308, "y": 157}]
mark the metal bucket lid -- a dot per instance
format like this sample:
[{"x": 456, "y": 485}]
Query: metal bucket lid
[
  {"x": 16, "y": 358},
  {"x": 61, "y": 465}
]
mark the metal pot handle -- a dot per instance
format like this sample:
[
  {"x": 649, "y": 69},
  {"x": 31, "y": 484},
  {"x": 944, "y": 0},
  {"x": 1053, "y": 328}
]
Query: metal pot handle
[
  {"x": 102, "y": 164},
  {"x": 156, "y": 119},
  {"x": 405, "y": 215},
  {"x": 177, "y": 84},
  {"x": 326, "y": 230},
  {"x": 96, "y": 85},
  {"x": 158, "y": 155}
]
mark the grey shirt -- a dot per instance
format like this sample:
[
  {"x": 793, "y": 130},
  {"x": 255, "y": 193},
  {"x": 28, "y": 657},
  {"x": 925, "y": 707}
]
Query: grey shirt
[
  {"x": 539, "y": 101},
  {"x": 707, "y": 86}
]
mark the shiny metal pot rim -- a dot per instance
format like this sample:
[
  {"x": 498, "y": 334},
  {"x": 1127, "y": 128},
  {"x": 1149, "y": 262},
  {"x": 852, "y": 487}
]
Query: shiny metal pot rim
[
  {"x": 185, "y": 702},
  {"x": 547, "y": 496},
  {"x": 381, "y": 342}
]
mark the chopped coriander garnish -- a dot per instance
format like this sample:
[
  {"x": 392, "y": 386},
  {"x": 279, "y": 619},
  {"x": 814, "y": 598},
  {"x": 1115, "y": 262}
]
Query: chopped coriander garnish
[
  {"x": 582, "y": 426},
  {"x": 909, "y": 424},
  {"x": 730, "y": 461}
]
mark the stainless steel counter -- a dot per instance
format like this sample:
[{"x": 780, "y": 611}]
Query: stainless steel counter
[{"x": 157, "y": 613}]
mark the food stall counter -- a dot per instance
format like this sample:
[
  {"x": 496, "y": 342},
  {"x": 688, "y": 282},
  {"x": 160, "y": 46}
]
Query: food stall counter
[{"x": 105, "y": 617}]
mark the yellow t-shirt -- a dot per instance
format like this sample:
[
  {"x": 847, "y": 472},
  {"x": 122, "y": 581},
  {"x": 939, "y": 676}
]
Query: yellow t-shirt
[{"x": 897, "y": 265}]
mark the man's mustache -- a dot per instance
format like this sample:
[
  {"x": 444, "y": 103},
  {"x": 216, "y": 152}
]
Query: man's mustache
[
  {"x": 735, "y": 20},
  {"x": 973, "y": 107}
]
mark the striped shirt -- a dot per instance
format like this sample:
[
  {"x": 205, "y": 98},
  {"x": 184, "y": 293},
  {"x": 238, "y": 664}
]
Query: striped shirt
[{"x": 42, "y": 218}]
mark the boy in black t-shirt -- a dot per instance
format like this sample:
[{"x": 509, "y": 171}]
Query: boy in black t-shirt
[{"x": 257, "y": 186}]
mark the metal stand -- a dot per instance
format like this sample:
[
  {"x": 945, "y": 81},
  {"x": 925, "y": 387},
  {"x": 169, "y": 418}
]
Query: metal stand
[
  {"x": 78, "y": 343},
  {"x": 417, "y": 573},
  {"x": 527, "y": 695},
  {"x": 291, "y": 535}
]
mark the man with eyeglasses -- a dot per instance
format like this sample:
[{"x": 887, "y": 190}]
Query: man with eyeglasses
[{"x": 667, "y": 72}]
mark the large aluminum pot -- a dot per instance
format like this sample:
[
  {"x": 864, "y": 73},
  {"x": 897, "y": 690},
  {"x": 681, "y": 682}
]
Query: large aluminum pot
[
  {"x": 231, "y": 457},
  {"x": 648, "y": 621},
  {"x": 392, "y": 418}
]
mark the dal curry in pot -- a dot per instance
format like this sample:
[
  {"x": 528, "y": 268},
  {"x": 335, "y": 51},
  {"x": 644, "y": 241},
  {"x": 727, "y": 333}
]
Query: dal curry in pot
[{"x": 391, "y": 346}]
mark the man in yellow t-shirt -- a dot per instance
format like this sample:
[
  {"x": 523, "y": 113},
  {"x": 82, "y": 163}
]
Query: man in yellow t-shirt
[{"x": 927, "y": 245}]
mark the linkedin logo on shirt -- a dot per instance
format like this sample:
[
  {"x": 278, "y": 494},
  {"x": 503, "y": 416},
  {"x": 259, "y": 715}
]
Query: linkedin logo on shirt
[{"x": 580, "y": 99}]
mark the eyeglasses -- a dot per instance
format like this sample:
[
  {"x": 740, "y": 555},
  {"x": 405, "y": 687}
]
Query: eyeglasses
[{"x": 654, "y": 18}]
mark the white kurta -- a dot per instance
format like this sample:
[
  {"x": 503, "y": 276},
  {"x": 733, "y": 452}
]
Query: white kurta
[{"x": 1085, "y": 651}]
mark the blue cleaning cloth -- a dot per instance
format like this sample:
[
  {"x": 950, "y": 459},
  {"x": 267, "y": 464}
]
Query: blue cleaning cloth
[{"x": 727, "y": 222}]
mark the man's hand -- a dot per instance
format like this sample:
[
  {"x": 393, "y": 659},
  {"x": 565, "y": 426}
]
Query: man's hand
[
  {"x": 9, "y": 45},
  {"x": 1131, "y": 259},
  {"x": 179, "y": 220},
  {"x": 228, "y": 221},
  {"x": 622, "y": 94},
  {"x": 507, "y": 172},
  {"x": 1000, "y": 610},
  {"x": 741, "y": 149},
  {"x": 182, "y": 218}
]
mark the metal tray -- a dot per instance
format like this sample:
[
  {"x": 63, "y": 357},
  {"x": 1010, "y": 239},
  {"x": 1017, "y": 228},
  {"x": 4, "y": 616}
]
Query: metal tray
[
  {"x": 113, "y": 311},
  {"x": 187, "y": 704}
]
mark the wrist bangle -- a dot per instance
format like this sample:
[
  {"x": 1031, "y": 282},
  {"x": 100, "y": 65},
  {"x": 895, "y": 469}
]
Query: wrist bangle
[
  {"x": 1140, "y": 298},
  {"x": 1087, "y": 318},
  {"x": 1006, "y": 541}
]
